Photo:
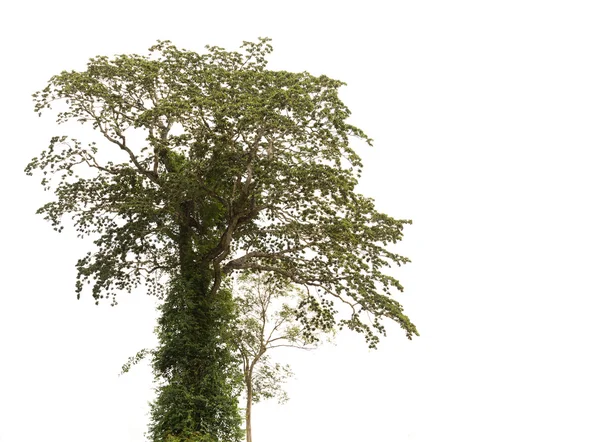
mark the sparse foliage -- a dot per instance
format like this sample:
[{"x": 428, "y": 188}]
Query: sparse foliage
[{"x": 267, "y": 318}]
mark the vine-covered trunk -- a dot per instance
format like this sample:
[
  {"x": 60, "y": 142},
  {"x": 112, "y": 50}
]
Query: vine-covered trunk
[{"x": 194, "y": 366}]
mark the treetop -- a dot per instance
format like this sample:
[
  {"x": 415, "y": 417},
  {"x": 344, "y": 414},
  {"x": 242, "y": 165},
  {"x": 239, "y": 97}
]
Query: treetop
[{"x": 258, "y": 164}]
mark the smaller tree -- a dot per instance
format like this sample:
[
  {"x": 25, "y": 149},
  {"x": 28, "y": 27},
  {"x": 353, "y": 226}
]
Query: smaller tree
[{"x": 266, "y": 321}]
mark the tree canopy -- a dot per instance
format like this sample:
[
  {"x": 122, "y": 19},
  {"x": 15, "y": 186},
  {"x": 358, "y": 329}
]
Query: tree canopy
[{"x": 206, "y": 164}]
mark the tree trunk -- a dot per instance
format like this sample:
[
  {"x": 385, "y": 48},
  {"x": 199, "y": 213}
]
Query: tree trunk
[
  {"x": 198, "y": 396},
  {"x": 249, "y": 410}
]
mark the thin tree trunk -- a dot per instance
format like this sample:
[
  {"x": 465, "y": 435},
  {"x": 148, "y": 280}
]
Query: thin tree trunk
[{"x": 249, "y": 410}]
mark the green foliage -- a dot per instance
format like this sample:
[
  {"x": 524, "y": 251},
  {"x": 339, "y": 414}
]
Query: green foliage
[
  {"x": 265, "y": 320},
  {"x": 209, "y": 164},
  {"x": 190, "y": 437},
  {"x": 134, "y": 360},
  {"x": 267, "y": 312},
  {"x": 268, "y": 381},
  {"x": 199, "y": 377}
]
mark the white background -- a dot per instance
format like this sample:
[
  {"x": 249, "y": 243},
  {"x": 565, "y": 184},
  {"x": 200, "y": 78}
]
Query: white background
[{"x": 485, "y": 116}]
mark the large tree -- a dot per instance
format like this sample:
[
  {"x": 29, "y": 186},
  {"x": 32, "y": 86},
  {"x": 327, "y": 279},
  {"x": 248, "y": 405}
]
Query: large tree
[{"x": 205, "y": 164}]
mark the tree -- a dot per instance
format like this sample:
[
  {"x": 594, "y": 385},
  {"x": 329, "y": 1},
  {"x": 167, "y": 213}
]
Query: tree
[
  {"x": 265, "y": 321},
  {"x": 206, "y": 164}
]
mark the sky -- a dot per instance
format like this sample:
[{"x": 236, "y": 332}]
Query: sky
[{"x": 485, "y": 117}]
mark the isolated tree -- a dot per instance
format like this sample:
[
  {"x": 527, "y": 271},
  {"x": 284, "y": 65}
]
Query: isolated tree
[
  {"x": 266, "y": 319},
  {"x": 203, "y": 164}
]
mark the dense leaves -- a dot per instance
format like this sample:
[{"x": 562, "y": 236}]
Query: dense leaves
[{"x": 199, "y": 378}]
